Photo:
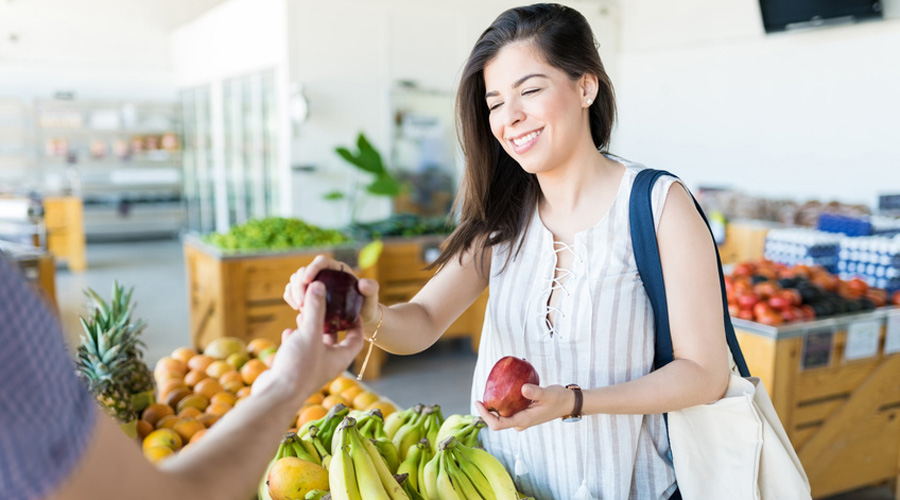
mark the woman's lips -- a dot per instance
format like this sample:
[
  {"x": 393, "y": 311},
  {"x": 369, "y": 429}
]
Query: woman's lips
[{"x": 526, "y": 141}]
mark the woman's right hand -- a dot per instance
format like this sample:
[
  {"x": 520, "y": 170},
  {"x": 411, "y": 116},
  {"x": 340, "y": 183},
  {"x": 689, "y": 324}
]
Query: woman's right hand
[{"x": 295, "y": 290}]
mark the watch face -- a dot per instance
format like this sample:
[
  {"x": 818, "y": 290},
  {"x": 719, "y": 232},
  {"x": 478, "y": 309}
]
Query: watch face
[{"x": 572, "y": 418}]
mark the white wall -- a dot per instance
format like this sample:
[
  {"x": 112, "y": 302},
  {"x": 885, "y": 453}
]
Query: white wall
[
  {"x": 349, "y": 53},
  {"x": 703, "y": 92}
]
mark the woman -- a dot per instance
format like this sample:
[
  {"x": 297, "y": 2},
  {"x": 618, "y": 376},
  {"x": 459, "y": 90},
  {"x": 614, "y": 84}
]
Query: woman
[{"x": 544, "y": 223}]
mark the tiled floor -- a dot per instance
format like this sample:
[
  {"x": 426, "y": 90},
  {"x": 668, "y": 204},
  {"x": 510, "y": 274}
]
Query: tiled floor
[{"x": 442, "y": 374}]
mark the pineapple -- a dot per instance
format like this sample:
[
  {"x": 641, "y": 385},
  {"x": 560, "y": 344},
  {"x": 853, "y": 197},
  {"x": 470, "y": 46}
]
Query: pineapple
[{"x": 110, "y": 359}]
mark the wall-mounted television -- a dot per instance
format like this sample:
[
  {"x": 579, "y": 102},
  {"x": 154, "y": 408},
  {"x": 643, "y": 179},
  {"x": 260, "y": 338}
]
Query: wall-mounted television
[{"x": 782, "y": 15}]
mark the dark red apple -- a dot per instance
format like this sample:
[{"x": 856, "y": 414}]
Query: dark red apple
[
  {"x": 503, "y": 391},
  {"x": 343, "y": 299}
]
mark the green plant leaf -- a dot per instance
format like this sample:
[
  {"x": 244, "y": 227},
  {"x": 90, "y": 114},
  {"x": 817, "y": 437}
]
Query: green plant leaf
[
  {"x": 334, "y": 195},
  {"x": 369, "y": 158},
  {"x": 384, "y": 185},
  {"x": 347, "y": 155}
]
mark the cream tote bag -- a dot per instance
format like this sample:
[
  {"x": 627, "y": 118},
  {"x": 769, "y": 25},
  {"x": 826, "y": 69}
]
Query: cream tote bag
[{"x": 736, "y": 447}]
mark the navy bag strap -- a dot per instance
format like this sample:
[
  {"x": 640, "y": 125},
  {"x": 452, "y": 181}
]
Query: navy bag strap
[{"x": 646, "y": 254}]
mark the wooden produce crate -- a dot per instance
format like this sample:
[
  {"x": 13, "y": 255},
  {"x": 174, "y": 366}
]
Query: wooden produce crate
[
  {"x": 402, "y": 273},
  {"x": 64, "y": 219},
  {"x": 241, "y": 294},
  {"x": 835, "y": 384}
]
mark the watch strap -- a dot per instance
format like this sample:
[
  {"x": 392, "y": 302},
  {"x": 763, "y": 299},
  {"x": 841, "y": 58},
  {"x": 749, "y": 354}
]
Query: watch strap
[{"x": 579, "y": 403}]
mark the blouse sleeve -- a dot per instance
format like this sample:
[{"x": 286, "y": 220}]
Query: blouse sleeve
[
  {"x": 46, "y": 415},
  {"x": 660, "y": 193}
]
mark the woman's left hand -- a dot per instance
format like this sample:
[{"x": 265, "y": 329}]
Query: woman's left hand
[{"x": 548, "y": 403}]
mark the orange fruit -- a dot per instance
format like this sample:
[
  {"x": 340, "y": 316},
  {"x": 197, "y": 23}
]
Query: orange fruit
[
  {"x": 177, "y": 395},
  {"x": 169, "y": 364},
  {"x": 166, "y": 376},
  {"x": 310, "y": 413},
  {"x": 207, "y": 387},
  {"x": 351, "y": 392},
  {"x": 243, "y": 392},
  {"x": 156, "y": 453},
  {"x": 207, "y": 420},
  {"x": 315, "y": 399},
  {"x": 166, "y": 422},
  {"x": 194, "y": 400},
  {"x": 156, "y": 411},
  {"x": 233, "y": 386},
  {"x": 189, "y": 412},
  {"x": 200, "y": 362},
  {"x": 144, "y": 428},
  {"x": 334, "y": 399},
  {"x": 218, "y": 409},
  {"x": 187, "y": 427},
  {"x": 163, "y": 389},
  {"x": 364, "y": 399},
  {"x": 218, "y": 368},
  {"x": 237, "y": 359},
  {"x": 251, "y": 370},
  {"x": 184, "y": 354},
  {"x": 194, "y": 376},
  {"x": 223, "y": 397},
  {"x": 341, "y": 384},
  {"x": 162, "y": 437},
  {"x": 197, "y": 435},
  {"x": 385, "y": 407},
  {"x": 255, "y": 346},
  {"x": 231, "y": 376}
]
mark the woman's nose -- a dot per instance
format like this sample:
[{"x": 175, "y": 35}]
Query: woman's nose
[{"x": 514, "y": 114}]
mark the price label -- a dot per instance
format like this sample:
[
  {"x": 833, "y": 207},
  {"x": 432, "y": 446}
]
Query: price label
[
  {"x": 862, "y": 339},
  {"x": 892, "y": 338},
  {"x": 817, "y": 349}
]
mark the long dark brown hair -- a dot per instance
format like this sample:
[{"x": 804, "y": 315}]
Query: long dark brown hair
[{"x": 497, "y": 196}]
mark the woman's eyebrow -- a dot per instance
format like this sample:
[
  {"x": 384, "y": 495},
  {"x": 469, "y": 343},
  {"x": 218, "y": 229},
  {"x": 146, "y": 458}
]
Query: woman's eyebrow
[{"x": 517, "y": 83}]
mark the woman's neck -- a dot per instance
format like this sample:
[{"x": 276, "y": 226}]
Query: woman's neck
[{"x": 566, "y": 187}]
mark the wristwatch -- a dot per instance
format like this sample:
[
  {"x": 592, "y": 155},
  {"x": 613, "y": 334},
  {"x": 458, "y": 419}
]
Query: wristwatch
[{"x": 575, "y": 416}]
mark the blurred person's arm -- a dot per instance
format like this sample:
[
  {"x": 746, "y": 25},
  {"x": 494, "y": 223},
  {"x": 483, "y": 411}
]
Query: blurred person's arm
[{"x": 229, "y": 462}]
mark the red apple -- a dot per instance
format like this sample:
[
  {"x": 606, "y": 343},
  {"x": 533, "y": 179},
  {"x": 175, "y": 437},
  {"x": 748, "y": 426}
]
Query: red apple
[
  {"x": 343, "y": 299},
  {"x": 503, "y": 391}
]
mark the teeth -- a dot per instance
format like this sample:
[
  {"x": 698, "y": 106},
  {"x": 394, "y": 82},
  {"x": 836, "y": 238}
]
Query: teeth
[{"x": 523, "y": 140}]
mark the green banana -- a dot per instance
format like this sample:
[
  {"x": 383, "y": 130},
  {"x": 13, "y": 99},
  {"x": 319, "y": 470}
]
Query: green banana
[
  {"x": 427, "y": 456},
  {"x": 366, "y": 474},
  {"x": 496, "y": 475},
  {"x": 433, "y": 422},
  {"x": 327, "y": 425},
  {"x": 342, "y": 474},
  {"x": 320, "y": 449},
  {"x": 411, "y": 492},
  {"x": 388, "y": 452},
  {"x": 410, "y": 465},
  {"x": 446, "y": 489},
  {"x": 475, "y": 475},
  {"x": 409, "y": 434},
  {"x": 397, "y": 419},
  {"x": 460, "y": 481},
  {"x": 315, "y": 495},
  {"x": 301, "y": 452},
  {"x": 464, "y": 427},
  {"x": 393, "y": 488}
]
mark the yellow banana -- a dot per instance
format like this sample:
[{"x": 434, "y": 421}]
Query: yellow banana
[
  {"x": 475, "y": 475},
  {"x": 391, "y": 486},
  {"x": 411, "y": 465},
  {"x": 428, "y": 483},
  {"x": 427, "y": 456},
  {"x": 342, "y": 475},
  {"x": 493, "y": 471},
  {"x": 366, "y": 474},
  {"x": 446, "y": 490}
]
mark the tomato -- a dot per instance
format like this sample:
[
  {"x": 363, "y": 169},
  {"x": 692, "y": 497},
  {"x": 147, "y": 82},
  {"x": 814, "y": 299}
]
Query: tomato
[
  {"x": 772, "y": 319},
  {"x": 747, "y": 300},
  {"x": 779, "y": 302},
  {"x": 858, "y": 285},
  {"x": 733, "y": 310},
  {"x": 793, "y": 296},
  {"x": 766, "y": 289},
  {"x": 762, "y": 309}
]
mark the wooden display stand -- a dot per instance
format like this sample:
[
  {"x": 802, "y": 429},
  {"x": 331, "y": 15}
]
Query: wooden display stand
[
  {"x": 64, "y": 219},
  {"x": 744, "y": 241},
  {"x": 842, "y": 415},
  {"x": 402, "y": 273},
  {"x": 241, "y": 295}
]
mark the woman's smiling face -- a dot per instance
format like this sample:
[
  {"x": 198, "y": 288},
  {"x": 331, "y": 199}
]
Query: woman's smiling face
[{"x": 536, "y": 111}]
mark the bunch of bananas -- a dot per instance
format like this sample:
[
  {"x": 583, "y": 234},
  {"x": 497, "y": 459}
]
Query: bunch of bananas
[
  {"x": 358, "y": 470},
  {"x": 460, "y": 472},
  {"x": 424, "y": 424}
]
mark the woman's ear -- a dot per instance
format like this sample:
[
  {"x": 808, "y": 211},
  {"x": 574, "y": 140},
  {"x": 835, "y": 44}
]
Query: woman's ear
[{"x": 589, "y": 86}]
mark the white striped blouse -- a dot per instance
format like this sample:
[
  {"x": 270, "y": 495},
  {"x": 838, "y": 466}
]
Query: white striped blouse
[{"x": 603, "y": 335}]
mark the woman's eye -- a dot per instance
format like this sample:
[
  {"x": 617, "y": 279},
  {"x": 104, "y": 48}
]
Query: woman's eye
[
  {"x": 531, "y": 91},
  {"x": 494, "y": 106}
]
